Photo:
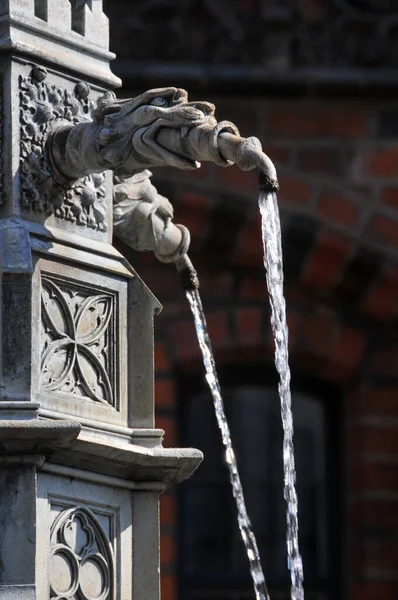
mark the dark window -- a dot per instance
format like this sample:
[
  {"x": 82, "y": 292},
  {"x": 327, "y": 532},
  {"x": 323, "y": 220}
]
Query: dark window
[{"x": 213, "y": 563}]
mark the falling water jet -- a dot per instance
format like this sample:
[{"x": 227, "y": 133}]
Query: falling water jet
[
  {"x": 221, "y": 143},
  {"x": 273, "y": 263},
  {"x": 191, "y": 284},
  {"x": 248, "y": 154}
]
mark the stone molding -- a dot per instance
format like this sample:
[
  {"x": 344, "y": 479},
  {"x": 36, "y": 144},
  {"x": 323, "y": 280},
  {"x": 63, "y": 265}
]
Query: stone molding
[
  {"x": 115, "y": 458},
  {"x": 69, "y": 34},
  {"x": 34, "y": 436}
]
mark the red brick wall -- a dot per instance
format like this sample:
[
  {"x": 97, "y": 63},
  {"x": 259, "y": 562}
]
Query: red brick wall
[{"x": 338, "y": 170}]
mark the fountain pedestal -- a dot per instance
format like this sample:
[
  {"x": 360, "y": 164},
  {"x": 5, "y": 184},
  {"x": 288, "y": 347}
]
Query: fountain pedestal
[{"x": 81, "y": 463}]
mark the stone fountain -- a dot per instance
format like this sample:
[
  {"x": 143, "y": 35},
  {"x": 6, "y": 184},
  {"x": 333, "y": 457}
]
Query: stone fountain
[{"x": 82, "y": 464}]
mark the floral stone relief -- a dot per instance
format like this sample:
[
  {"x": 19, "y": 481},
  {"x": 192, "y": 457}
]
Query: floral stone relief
[
  {"x": 43, "y": 107},
  {"x": 78, "y": 340}
]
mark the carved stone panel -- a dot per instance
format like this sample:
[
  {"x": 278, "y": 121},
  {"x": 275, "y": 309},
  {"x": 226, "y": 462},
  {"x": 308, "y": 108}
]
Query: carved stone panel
[
  {"x": 44, "y": 106},
  {"x": 81, "y": 563},
  {"x": 78, "y": 340},
  {"x": 80, "y": 357},
  {"x": 84, "y": 537}
]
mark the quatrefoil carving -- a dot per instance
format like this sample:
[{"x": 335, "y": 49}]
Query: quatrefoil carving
[{"x": 77, "y": 341}]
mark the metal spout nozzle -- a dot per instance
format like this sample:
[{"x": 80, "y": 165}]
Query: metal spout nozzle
[
  {"x": 247, "y": 153},
  {"x": 223, "y": 145},
  {"x": 188, "y": 274}
]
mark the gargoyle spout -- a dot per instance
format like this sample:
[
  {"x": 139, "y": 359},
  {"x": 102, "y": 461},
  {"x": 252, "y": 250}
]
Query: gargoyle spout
[
  {"x": 123, "y": 135},
  {"x": 222, "y": 144},
  {"x": 159, "y": 128}
]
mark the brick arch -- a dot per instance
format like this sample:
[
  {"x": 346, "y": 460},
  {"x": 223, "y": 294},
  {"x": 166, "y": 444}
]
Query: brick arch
[
  {"x": 340, "y": 238},
  {"x": 337, "y": 166},
  {"x": 336, "y": 262},
  {"x": 342, "y": 298},
  {"x": 331, "y": 341},
  {"x": 322, "y": 343}
]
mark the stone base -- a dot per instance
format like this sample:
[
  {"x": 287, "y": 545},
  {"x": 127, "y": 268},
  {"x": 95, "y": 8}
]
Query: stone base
[
  {"x": 18, "y": 592},
  {"x": 79, "y": 510}
]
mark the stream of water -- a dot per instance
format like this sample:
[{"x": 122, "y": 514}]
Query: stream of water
[
  {"x": 248, "y": 537},
  {"x": 273, "y": 263}
]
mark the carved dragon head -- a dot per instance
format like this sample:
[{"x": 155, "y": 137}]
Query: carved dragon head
[
  {"x": 127, "y": 130},
  {"x": 159, "y": 128}
]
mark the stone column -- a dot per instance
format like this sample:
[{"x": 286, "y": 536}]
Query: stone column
[{"x": 81, "y": 464}]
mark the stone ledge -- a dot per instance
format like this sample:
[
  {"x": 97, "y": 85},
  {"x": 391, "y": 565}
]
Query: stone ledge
[
  {"x": 74, "y": 52},
  {"x": 129, "y": 461},
  {"x": 35, "y": 436},
  {"x": 17, "y": 592}
]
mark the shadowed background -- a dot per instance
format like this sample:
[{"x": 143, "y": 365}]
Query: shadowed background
[{"x": 317, "y": 82}]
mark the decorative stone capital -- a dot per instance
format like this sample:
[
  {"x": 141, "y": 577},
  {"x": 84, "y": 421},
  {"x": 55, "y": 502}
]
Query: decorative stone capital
[{"x": 70, "y": 34}]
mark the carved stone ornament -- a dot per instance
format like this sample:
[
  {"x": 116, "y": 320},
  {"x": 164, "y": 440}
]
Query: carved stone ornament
[
  {"x": 77, "y": 356},
  {"x": 43, "y": 107},
  {"x": 81, "y": 561}
]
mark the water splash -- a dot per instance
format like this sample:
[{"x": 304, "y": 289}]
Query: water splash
[
  {"x": 271, "y": 233},
  {"x": 248, "y": 537}
]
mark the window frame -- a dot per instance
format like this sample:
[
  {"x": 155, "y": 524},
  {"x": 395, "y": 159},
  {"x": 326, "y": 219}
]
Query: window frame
[{"x": 190, "y": 383}]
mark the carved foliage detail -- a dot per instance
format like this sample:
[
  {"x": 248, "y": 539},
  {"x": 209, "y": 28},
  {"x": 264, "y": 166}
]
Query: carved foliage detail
[
  {"x": 77, "y": 341},
  {"x": 42, "y": 106},
  {"x": 81, "y": 561}
]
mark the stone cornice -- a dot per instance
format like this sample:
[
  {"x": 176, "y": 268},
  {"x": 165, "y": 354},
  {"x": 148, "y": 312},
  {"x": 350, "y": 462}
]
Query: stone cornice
[{"x": 54, "y": 36}]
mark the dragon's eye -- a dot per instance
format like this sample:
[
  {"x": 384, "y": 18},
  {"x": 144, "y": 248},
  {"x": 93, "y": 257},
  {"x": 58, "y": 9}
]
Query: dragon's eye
[{"x": 159, "y": 101}]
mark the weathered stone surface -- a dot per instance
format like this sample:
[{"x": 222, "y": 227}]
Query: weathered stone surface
[
  {"x": 34, "y": 437},
  {"x": 76, "y": 336},
  {"x": 17, "y": 592},
  {"x": 17, "y": 528}
]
